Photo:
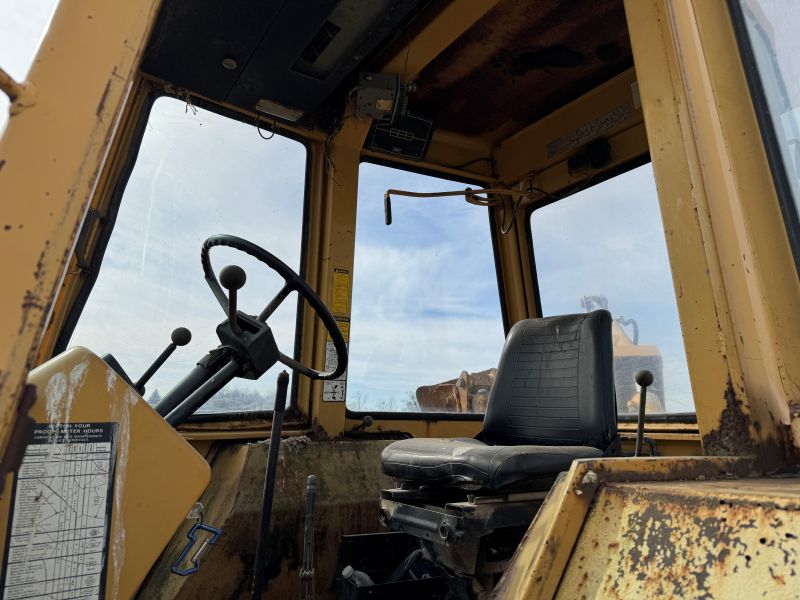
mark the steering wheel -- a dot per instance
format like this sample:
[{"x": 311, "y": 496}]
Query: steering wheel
[{"x": 292, "y": 282}]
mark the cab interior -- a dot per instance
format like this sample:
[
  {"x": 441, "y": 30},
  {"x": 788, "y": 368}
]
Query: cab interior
[{"x": 344, "y": 145}]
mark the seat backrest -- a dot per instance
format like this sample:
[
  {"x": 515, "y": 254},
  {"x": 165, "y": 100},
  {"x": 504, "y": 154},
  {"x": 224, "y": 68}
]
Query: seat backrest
[{"x": 555, "y": 384}]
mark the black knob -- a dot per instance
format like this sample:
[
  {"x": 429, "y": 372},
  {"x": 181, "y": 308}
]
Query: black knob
[
  {"x": 232, "y": 277},
  {"x": 644, "y": 378},
  {"x": 181, "y": 336}
]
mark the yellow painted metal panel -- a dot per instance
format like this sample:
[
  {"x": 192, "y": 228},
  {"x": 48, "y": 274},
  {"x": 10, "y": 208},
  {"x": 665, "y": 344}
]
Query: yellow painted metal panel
[
  {"x": 605, "y": 111},
  {"x": 50, "y": 157},
  {"x": 536, "y": 570},
  {"x": 700, "y": 539},
  {"x": 734, "y": 278},
  {"x": 158, "y": 474}
]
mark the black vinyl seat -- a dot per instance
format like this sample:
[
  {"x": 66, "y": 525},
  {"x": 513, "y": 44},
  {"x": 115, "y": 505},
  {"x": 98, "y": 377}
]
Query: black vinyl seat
[{"x": 552, "y": 402}]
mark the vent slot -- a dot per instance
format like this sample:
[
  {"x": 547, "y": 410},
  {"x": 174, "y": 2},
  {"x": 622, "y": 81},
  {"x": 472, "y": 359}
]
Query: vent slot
[{"x": 320, "y": 41}]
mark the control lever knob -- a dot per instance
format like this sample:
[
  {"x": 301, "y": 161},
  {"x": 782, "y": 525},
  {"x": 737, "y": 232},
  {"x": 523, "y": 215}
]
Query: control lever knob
[
  {"x": 645, "y": 379},
  {"x": 232, "y": 279},
  {"x": 181, "y": 336}
]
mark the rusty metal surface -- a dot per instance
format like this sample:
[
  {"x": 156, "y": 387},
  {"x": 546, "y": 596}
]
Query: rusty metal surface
[
  {"x": 536, "y": 569},
  {"x": 522, "y": 61},
  {"x": 349, "y": 481},
  {"x": 701, "y": 539},
  {"x": 735, "y": 280}
]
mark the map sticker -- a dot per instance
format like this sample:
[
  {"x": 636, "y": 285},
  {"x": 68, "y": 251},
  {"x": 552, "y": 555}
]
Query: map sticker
[{"x": 56, "y": 545}]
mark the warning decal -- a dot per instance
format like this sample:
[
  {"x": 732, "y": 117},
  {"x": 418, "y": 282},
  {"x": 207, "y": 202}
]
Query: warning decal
[
  {"x": 57, "y": 541},
  {"x": 333, "y": 390},
  {"x": 340, "y": 304}
]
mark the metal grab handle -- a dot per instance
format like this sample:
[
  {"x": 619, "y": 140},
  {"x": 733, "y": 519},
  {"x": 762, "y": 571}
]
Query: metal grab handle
[
  {"x": 307, "y": 570},
  {"x": 201, "y": 552}
]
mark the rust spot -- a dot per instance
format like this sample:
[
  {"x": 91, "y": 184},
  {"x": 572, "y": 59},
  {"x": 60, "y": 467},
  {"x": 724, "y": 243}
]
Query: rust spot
[
  {"x": 6, "y": 227},
  {"x": 20, "y": 434},
  {"x": 39, "y": 272},
  {"x": 101, "y": 105},
  {"x": 682, "y": 470},
  {"x": 527, "y": 59},
  {"x": 577, "y": 46},
  {"x": 30, "y": 301},
  {"x": 733, "y": 435}
]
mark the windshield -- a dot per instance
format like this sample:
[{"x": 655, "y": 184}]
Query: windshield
[{"x": 197, "y": 174}]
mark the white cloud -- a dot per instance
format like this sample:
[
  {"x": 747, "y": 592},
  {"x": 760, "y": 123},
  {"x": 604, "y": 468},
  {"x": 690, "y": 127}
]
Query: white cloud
[
  {"x": 425, "y": 298},
  {"x": 608, "y": 240},
  {"x": 196, "y": 175}
]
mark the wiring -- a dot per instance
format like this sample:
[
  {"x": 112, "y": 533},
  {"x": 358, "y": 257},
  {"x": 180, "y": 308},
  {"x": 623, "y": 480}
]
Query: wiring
[{"x": 257, "y": 123}]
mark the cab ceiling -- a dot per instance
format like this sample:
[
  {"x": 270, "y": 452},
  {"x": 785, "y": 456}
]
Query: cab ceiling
[
  {"x": 300, "y": 55},
  {"x": 521, "y": 61}
]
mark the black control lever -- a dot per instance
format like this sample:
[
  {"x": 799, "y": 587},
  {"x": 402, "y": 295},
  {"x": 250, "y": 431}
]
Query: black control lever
[
  {"x": 180, "y": 337},
  {"x": 645, "y": 379},
  {"x": 232, "y": 279}
]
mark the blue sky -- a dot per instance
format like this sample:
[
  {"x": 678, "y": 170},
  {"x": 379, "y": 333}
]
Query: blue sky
[
  {"x": 22, "y": 25},
  {"x": 425, "y": 304},
  {"x": 608, "y": 240},
  {"x": 425, "y": 299},
  {"x": 197, "y": 174}
]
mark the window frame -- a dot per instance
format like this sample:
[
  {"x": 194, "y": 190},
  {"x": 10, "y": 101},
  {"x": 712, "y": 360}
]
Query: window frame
[
  {"x": 107, "y": 230},
  {"x": 492, "y": 221},
  {"x": 688, "y": 418},
  {"x": 772, "y": 148}
]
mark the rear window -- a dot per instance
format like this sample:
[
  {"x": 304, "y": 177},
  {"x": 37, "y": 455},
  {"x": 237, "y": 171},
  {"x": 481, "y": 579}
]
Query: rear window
[
  {"x": 604, "y": 247},
  {"x": 426, "y": 330}
]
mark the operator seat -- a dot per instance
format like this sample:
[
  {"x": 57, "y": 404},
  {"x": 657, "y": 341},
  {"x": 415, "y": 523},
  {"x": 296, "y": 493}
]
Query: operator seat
[{"x": 552, "y": 402}]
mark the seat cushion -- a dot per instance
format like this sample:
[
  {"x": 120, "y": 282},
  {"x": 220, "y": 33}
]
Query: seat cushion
[{"x": 466, "y": 462}]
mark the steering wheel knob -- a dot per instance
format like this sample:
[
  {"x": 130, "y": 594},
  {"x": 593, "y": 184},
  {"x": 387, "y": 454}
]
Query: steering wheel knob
[{"x": 232, "y": 277}]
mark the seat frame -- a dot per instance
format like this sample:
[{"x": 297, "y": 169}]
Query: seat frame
[{"x": 474, "y": 534}]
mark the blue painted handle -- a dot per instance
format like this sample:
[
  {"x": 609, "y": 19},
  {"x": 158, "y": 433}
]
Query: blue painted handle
[{"x": 192, "y": 535}]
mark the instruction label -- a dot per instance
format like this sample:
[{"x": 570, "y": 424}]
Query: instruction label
[
  {"x": 335, "y": 390},
  {"x": 57, "y": 541},
  {"x": 589, "y": 131},
  {"x": 340, "y": 303}
]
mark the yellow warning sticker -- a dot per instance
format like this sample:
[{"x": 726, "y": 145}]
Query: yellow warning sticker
[
  {"x": 344, "y": 325},
  {"x": 341, "y": 292}
]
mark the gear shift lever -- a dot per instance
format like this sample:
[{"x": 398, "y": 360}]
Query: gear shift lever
[
  {"x": 180, "y": 337},
  {"x": 232, "y": 279},
  {"x": 644, "y": 379}
]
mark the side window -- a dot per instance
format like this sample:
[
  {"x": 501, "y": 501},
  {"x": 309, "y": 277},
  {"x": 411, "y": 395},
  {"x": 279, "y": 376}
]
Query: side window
[
  {"x": 770, "y": 27},
  {"x": 197, "y": 174},
  {"x": 604, "y": 248},
  {"x": 426, "y": 326}
]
